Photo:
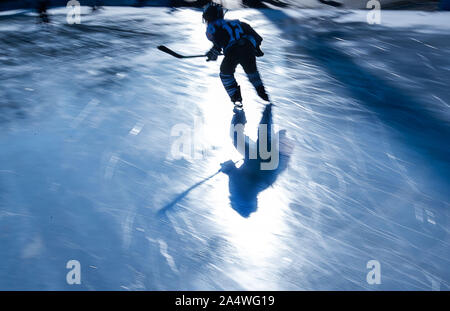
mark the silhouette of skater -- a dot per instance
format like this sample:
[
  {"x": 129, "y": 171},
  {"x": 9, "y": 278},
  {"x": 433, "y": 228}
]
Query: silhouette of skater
[
  {"x": 247, "y": 181},
  {"x": 41, "y": 8},
  {"x": 240, "y": 44},
  {"x": 96, "y": 5}
]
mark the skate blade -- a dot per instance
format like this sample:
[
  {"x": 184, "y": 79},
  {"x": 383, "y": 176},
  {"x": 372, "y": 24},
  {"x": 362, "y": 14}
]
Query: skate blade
[{"x": 238, "y": 105}]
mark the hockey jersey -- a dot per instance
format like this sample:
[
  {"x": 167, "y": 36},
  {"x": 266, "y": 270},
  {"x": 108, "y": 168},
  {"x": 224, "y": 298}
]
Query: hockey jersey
[{"x": 225, "y": 33}]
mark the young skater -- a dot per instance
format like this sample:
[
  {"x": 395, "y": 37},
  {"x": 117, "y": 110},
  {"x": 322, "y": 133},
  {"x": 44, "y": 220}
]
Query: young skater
[{"x": 240, "y": 44}]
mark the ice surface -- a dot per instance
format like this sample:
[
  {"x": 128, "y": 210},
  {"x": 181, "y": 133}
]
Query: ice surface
[{"x": 89, "y": 114}]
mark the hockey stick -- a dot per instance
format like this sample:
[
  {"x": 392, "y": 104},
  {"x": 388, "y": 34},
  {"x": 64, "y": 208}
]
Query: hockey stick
[
  {"x": 165, "y": 49},
  {"x": 175, "y": 54}
]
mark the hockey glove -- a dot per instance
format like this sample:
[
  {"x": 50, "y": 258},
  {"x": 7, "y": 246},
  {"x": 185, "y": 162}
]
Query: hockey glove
[
  {"x": 212, "y": 54},
  {"x": 258, "y": 52}
]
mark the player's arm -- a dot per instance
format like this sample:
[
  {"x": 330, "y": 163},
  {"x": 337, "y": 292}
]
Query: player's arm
[
  {"x": 249, "y": 31},
  {"x": 214, "y": 52},
  {"x": 254, "y": 37}
]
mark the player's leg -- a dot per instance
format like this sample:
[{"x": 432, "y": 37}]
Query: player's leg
[
  {"x": 227, "y": 69},
  {"x": 248, "y": 62}
]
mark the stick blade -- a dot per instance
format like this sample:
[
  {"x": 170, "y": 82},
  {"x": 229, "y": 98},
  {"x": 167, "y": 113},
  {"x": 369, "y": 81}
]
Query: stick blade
[{"x": 165, "y": 49}]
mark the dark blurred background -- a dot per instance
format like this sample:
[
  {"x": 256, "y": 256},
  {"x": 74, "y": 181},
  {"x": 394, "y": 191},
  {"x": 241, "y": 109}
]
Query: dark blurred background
[{"x": 352, "y": 4}]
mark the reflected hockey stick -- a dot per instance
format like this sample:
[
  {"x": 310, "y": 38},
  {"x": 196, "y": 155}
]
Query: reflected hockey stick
[
  {"x": 223, "y": 167},
  {"x": 165, "y": 49}
]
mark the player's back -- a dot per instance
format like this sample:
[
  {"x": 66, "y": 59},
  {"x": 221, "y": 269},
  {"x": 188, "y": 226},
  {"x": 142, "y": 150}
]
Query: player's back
[{"x": 225, "y": 33}]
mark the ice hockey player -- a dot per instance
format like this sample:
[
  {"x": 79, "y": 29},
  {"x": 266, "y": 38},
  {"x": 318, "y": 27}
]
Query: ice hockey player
[
  {"x": 240, "y": 44},
  {"x": 41, "y": 8}
]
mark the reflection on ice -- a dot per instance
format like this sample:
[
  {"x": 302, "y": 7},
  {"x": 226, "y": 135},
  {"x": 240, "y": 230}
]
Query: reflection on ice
[{"x": 257, "y": 172}]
